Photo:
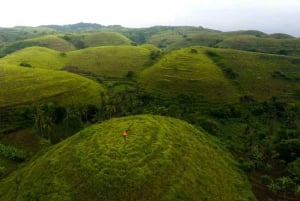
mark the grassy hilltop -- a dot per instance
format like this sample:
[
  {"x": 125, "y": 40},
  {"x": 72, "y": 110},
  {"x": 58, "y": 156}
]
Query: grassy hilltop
[
  {"x": 162, "y": 159},
  {"x": 22, "y": 85},
  {"x": 223, "y": 75},
  {"x": 114, "y": 61}
]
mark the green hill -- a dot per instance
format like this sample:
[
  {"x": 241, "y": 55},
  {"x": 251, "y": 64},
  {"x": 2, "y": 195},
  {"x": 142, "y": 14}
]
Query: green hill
[
  {"x": 286, "y": 46},
  {"x": 21, "y": 85},
  {"x": 185, "y": 71},
  {"x": 114, "y": 61},
  {"x": 54, "y": 42},
  {"x": 262, "y": 76},
  {"x": 251, "y": 40},
  {"x": 223, "y": 75},
  {"x": 36, "y": 57},
  {"x": 94, "y": 39},
  {"x": 161, "y": 159}
]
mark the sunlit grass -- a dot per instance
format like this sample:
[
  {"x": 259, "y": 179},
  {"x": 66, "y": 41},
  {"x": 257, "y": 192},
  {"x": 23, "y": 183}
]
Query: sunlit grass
[{"x": 161, "y": 159}]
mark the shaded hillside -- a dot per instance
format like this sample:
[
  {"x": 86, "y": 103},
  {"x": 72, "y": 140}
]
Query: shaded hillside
[
  {"x": 274, "y": 45},
  {"x": 161, "y": 159},
  {"x": 21, "y": 85},
  {"x": 94, "y": 39}
]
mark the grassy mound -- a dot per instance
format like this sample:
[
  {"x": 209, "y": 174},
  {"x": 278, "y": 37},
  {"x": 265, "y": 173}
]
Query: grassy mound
[
  {"x": 94, "y": 39},
  {"x": 26, "y": 85},
  {"x": 188, "y": 70},
  {"x": 50, "y": 41},
  {"x": 54, "y": 42},
  {"x": 223, "y": 75},
  {"x": 114, "y": 61},
  {"x": 261, "y": 76},
  {"x": 283, "y": 46},
  {"x": 161, "y": 159},
  {"x": 36, "y": 57}
]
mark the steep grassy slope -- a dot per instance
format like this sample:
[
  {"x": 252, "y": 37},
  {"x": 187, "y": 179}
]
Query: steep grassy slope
[
  {"x": 36, "y": 57},
  {"x": 23, "y": 85},
  {"x": 223, "y": 75},
  {"x": 161, "y": 159},
  {"x": 184, "y": 71}
]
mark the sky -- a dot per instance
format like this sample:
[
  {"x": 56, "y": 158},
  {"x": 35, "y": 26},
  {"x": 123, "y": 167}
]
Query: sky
[{"x": 270, "y": 16}]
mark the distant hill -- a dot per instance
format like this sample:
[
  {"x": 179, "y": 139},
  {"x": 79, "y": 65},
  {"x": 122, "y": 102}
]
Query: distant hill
[
  {"x": 185, "y": 71},
  {"x": 101, "y": 38},
  {"x": 78, "y": 27},
  {"x": 114, "y": 61},
  {"x": 223, "y": 75},
  {"x": 23, "y": 85},
  {"x": 54, "y": 42},
  {"x": 83, "y": 35},
  {"x": 161, "y": 159},
  {"x": 111, "y": 61}
]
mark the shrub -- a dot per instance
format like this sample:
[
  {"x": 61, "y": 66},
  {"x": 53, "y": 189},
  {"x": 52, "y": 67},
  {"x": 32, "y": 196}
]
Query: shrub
[
  {"x": 265, "y": 179},
  {"x": 24, "y": 64},
  {"x": 2, "y": 171},
  {"x": 294, "y": 170},
  {"x": 193, "y": 51},
  {"x": 12, "y": 153}
]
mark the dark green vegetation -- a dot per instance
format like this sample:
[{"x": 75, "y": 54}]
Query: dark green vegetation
[
  {"x": 248, "y": 100},
  {"x": 161, "y": 159}
]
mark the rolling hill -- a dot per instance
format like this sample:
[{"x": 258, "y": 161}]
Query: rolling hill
[
  {"x": 54, "y": 42},
  {"x": 94, "y": 39},
  {"x": 223, "y": 75},
  {"x": 43, "y": 58},
  {"x": 161, "y": 159},
  {"x": 183, "y": 71},
  {"x": 113, "y": 61},
  {"x": 21, "y": 85}
]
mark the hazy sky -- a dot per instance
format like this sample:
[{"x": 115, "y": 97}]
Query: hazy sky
[{"x": 266, "y": 15}]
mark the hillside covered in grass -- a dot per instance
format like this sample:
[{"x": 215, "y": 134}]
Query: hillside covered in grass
[
  {"x": 101, "y": 38},
  {"x": 161, "y": 159},
  {"x": 21, "y": 85},
  {"x": 223, "y": 75},
  {"x": 111, "y": 61}
]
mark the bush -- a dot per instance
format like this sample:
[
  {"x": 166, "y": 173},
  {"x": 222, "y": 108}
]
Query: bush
[
  {"x": 12, "y": 153},
  {"x": 265, "y": 179},
  {"x": 248, "y": 165},
  {"x": 294, "y": 170},
  {"x": 24, "y": 64},
  {"x": 2, "y": 171}
]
